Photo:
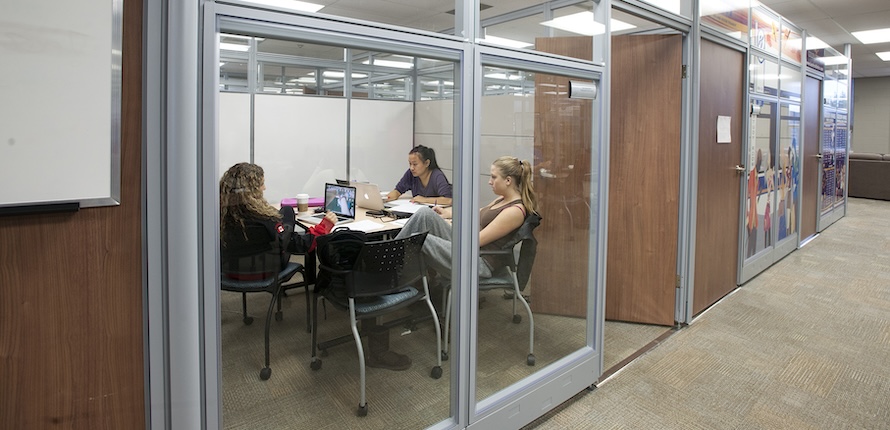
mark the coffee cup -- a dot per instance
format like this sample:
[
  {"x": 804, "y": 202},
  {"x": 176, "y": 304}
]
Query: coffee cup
[{"x": 302, "y": 202}]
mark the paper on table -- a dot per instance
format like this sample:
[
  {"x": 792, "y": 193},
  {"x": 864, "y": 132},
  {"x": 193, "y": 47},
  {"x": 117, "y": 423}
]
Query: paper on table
[
  {"x": 401, "y": 222},
  {"x": 364, "y": 225},
  {"x": 409, "y": 208}
]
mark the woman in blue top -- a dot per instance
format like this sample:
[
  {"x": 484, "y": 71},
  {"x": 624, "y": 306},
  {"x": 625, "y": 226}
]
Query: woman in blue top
[{"x": 424, "y": 178}]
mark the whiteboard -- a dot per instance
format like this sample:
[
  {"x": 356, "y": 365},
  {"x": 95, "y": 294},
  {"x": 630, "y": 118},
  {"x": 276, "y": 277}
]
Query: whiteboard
[{"x": 60, "y": 115}]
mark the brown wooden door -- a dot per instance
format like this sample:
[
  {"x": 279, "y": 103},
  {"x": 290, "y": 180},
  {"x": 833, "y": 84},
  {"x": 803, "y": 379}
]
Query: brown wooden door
[
  {"x": 811, "y": 162},
  {"x": 717, "y": 221},
  {"x": 644, "y": 178}
]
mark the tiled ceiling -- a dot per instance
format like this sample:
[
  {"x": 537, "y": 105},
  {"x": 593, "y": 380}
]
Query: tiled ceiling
[{"x": 833, "y": 21}]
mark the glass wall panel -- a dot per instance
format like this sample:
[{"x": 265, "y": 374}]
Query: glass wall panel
[
  {"x": 788, "y": 171},
  {"x": 315, "y": 114},
  {"x": 764, "y": 75},
  {"x": 761, "y": 177},
  {"x": 840, "y": 157},
  {"x": 790, "y": 81},
  {"x": 765, "y": 31},
  {"x": 791, "y": 43},
  {"x": 729, "y": 17},
  {"x": 829, "y": 171},
  {"x": 534, "y": 138}
]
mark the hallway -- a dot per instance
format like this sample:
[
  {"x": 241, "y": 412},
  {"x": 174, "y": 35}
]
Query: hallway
[{"x": 804, "y": 345}]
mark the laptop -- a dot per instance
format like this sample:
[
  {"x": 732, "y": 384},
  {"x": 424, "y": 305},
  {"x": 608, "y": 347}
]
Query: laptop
[
  {"x": 368, "y": 196},
  {"x": 340, "y": 200}
]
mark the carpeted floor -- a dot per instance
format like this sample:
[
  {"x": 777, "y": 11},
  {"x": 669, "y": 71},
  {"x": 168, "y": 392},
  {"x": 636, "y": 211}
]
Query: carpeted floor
[{"x": 804, "y": 345}]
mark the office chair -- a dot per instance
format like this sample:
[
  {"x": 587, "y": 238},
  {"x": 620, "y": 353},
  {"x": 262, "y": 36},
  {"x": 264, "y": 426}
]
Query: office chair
[
  {"x": 258, "y": 269},
  {"x": 370, "y": 280},
  {"x": 513, "y": 276}
]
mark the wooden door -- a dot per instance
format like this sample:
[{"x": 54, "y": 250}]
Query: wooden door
[
  {"x": 811, "y": 163},
  {"x": 717, "y": 217},
  {"x": 644, "y": 177}
]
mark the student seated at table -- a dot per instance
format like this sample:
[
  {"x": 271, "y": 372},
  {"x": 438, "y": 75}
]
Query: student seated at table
[
  {"x": 423, "y": 178},
  {"x": 511, "y": 182},
  {"x": 248, "y": 223}
]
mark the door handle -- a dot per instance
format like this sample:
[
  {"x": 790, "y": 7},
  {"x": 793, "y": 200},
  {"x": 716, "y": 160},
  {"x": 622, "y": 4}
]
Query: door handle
[
  {"x": 818, "y": 156},
  {"x": 739, "y": 168}
]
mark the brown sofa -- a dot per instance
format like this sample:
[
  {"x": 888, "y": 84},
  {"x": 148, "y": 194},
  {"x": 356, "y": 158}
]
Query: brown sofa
[{"x": 869, "y": 175}]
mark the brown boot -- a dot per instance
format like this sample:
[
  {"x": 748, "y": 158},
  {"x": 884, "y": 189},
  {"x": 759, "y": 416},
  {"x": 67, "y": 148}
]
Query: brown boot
[{"x": 379, "y": 354}]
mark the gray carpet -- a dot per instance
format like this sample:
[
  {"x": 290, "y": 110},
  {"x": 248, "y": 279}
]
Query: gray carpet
[
  {"x": 804, "y": 345},
  {"x": 296, "y": 397}
]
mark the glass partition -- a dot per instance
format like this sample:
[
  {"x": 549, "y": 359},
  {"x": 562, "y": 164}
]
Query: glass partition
[
  {"x": 315, "y": 114},
  {"x": 729, "y": 17},
  {"x": 829, "y": 169},
  {"x": 765, "y": 31},
  {"x": 763, "y": 75},
  {"x": 790, "y": 82},
  {"x": 535, "y": 158},
  {"x": 788, "y": 171},
  {"x": 761, "y": 177}
]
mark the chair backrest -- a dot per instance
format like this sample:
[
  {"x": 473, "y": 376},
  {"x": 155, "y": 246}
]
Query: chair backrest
[
  {"x": 529, "y": 248},
  {"x": 387, "y": 266},
  {"x": 253, "y": 258}
]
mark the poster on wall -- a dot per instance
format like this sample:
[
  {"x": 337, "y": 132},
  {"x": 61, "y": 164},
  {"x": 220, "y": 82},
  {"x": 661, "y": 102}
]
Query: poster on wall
[
  {"x": 828, "y": 185},
  {"x": 791, "y": 44}
]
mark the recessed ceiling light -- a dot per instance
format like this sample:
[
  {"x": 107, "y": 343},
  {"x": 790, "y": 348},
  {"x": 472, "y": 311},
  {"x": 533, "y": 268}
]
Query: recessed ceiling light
[
  {"x": 835, "y": 60},
  {"x": 503, "y": 41},
  {"x": 583, "y": 23},
  {"x": 873, "y": 36},
  {"x": 290, "y": 4},
  {"x": 884, "y": 55},
  {"x": 233, "y": 47},
  {"x": 390, "y": 63}
]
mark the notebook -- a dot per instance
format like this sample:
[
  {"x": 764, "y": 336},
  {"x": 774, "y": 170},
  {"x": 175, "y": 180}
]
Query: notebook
[{"x": 338, "y": 199}]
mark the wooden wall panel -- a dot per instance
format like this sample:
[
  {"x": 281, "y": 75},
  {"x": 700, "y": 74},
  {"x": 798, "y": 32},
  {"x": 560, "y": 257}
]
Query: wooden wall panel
[
  {"x": 562, "y": 139},
  {"x": 644, "y": 178},
  {"x": 71, "y": 343}
]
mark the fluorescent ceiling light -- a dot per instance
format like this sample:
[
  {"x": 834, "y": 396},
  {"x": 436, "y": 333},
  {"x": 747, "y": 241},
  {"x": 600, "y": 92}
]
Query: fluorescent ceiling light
[
  {"x": 240, "y": 37},
  {"x": 884, "y": 55},
  {"x": 300, "y": 6},
  {"x": 435, "y": 83},
  {"x": 835, "y": 60},
  {"x": 510, "y": 43},
  {"x": 815, "y": 43},
  {"x": 873, "y": 36},
  {"x": 233, "y": 47},
  {"x": 340, "y": 75},
  {"x": 390, "y": 63},
  {"x": 583, "y": 23},
  {"x": 502, "y": 76}
]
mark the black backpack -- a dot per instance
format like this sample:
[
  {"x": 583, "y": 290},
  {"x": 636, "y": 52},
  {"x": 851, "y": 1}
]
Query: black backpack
[{"x": 339, "y": 251}]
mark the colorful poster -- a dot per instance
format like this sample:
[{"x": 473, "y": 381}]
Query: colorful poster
[
  {"x": 791, "y": 44},
  {"x": 765, "y": 32}
]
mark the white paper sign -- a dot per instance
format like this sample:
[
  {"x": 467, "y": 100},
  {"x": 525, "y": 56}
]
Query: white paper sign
[{"x": 723, "y": 129}]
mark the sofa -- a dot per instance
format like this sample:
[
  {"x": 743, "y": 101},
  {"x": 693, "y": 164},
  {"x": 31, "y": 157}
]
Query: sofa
[{"x": 869, "y": 175}]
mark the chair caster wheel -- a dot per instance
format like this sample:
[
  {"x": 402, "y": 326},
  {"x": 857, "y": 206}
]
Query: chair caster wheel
[
  {"x": 531, "y": 360},
  {"x": 517, "y": 319},
  {"x": 444, "y": 356},
  {"x": 265, "y": 373},
  {"x": 315, "y": 365},
  {"x": 436, "y": 373},
  {"x": 248, "y": 320},
  {"x": 279, "y": 316},
  {"x": 362, "y": 410}
]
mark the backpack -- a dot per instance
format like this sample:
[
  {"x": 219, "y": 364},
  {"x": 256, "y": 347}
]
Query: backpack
[{"x": 338, "y": 250}]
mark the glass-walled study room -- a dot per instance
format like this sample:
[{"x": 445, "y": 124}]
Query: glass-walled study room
[{"x": 336, "y": 115}]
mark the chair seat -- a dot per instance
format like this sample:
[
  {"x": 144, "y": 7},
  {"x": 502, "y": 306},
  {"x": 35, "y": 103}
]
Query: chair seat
[
  {"x": 285, "y": 275},
  {"x": 498, "y": 279}
]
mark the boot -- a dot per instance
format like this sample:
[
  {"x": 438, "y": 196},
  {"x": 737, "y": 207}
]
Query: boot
[{"x": 379, "y": 354}]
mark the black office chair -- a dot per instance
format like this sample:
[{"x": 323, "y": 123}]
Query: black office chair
[
  {"x": 257, "y": 268},
  {"x": 370, "y": 280},
  {"x": 513, "y": 276}
]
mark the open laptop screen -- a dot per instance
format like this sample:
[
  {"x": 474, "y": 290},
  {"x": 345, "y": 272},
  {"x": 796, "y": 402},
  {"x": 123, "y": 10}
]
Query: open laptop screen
[{"x": 340, "y": 200}]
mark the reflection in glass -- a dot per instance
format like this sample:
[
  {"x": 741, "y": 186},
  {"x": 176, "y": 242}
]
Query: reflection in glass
[
  {"x": 790, "y": 82},
  {"x": 761, "y": 178},
  {"x": 764, "y": 75},
  {"x": 311, "y": 114},
  {"x": 729, "y": 17},
  {"x": 529, "y": 116},
  {"x": 788, "y": 171}
]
